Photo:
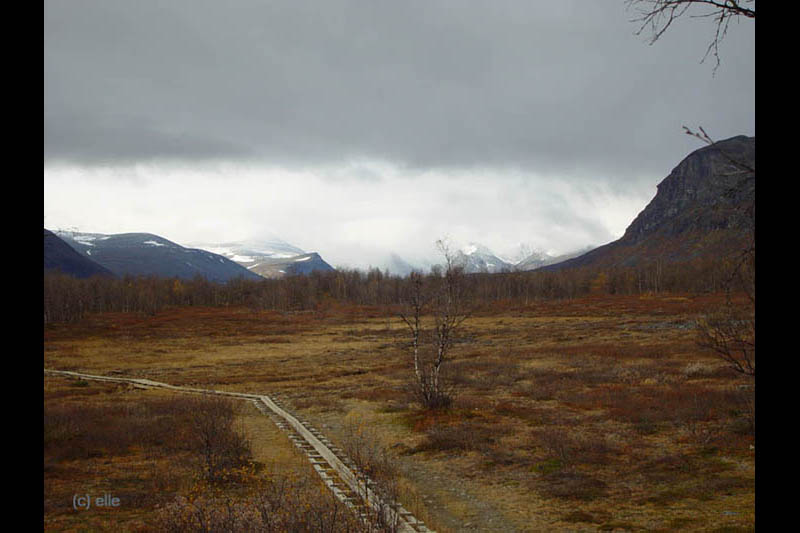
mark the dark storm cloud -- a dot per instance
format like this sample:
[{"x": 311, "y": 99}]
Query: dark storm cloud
[
  {"x": 128, "y": 139},
  {"x": 556, "y": 87}
]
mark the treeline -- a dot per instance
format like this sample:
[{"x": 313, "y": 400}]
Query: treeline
[{"x": 68, "y": 299}]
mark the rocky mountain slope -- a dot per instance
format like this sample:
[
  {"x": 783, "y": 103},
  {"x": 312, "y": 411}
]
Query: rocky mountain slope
[{"x": 704, "y": 207}]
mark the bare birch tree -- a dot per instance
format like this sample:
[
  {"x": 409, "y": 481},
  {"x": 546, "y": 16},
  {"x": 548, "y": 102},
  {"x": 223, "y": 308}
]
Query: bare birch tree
[
  {"x": 416, "y": 303},
  {"x": 444, "y": 298},
  {"x": 450, "y": 310}
]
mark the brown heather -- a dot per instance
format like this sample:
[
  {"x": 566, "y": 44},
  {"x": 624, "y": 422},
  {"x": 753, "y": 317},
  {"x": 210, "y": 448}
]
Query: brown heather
[{"x": 588, "y": 413}]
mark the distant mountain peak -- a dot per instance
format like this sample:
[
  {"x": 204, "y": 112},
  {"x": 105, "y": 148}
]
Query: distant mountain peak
[
  {"x": 147, "y": 254},
  {"x": 476, "y": 257},
  {"x": 270, "y": 257}
]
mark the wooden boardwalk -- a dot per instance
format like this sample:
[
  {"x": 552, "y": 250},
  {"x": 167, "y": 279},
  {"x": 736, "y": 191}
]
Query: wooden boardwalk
[{"x": 341, "y": 476}]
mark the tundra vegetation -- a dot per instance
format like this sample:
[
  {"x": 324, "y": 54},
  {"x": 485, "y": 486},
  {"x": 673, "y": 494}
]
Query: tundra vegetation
[{"x": 577, "y": 400}]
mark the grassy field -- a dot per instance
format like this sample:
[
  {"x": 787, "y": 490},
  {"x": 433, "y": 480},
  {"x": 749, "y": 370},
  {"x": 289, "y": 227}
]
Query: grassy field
[{"x": 584, "y": 415}]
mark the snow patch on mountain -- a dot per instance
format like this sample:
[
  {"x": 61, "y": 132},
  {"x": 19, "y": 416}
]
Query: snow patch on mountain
[
  {"x": 469, "y": 249},
  {"x": 476, "y": 257}
]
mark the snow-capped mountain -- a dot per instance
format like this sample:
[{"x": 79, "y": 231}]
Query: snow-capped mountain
[
  {"x": 269, "y": 258},
  {"x": 146, "y": 254},
  {"x": 540, "y": 259},
  {"x": 479, "y": 258},
  {"x": 517, "y": 253},
  {"x": 476, "y": 257},
  {"x": 251, "y": 251}
]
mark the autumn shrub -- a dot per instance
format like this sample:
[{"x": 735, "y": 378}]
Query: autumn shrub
[
  {"x": 376, "y": 471},
  {"x": 558, "y": 442},
  {"x": 161, "y": 426},
  {"x": 730, "y": 333},
  {"x": 362, "y": 446},
  {"x": 460, "y": 437},
  {"x": 593, "y": 370},
  {"x": 699, "y": 476},
  {"x": 530, "y": 414},
  {"x": 80, "y": 432},
  {"x": 676, "y": 404},
  {"x": 220, "y": 448},
  {"x": 570, "y": 448},
  {"x": 543, "y": 384},
  {"x": 704, "y": 370},
  {"x": 274, "y": 505},
  {"x": 64, "y": 431},
  {"x": 380, "y": 394},
  {"x": 485, "y": 374},
  {"x": 743, "y": 407},
  {"x": 571, "y": 485}
]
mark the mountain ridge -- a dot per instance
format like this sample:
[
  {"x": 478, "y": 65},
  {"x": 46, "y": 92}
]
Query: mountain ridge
[
  {"x": 273, "y": 258},
  {"x": 703, "y": 208},
  {"x": 146, "y": 254},
  {"x": 59, "y": 255}
]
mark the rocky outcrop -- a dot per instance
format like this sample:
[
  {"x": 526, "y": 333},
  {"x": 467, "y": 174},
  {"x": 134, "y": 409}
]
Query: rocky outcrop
[
  {"x": 711, "y": 189},
  {"x": 704, "y": 207}
]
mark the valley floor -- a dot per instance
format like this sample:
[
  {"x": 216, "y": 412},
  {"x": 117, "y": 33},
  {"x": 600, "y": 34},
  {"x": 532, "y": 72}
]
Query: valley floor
[{"x": 592, "y": 414}]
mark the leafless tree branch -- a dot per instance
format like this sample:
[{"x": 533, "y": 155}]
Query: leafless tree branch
[{"x": 658, "y": 16}]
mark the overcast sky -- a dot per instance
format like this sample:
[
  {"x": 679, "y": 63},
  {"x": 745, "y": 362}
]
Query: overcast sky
[{"x": 360, "y": 128}]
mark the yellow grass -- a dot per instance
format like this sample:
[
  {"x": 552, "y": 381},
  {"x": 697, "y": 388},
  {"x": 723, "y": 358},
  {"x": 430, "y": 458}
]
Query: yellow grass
[{"x": 576, "y": 371}]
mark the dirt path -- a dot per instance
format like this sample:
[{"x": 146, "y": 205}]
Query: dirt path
[{"x": 336, "y": 470}]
